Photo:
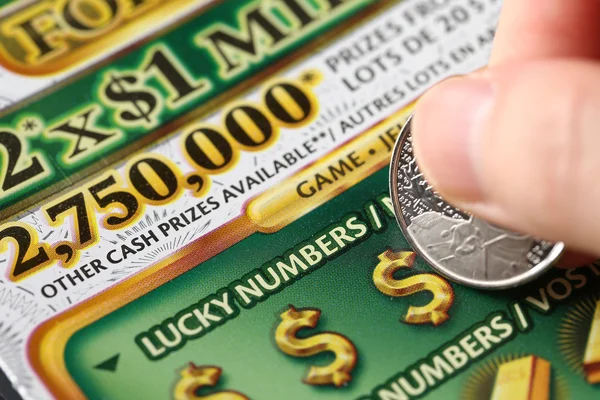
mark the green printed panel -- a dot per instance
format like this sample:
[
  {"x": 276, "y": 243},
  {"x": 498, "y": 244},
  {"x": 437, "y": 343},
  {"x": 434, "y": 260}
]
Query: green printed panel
[
  {"x": 243, "y": 344},
  {"x": 116, "y": 106}
]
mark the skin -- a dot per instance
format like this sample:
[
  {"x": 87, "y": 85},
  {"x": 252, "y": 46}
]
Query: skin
[{"x": 518, "y": 143}]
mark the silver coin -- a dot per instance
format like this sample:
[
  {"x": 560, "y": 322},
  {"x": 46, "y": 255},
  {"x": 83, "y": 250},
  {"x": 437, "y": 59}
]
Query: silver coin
[{"x": 459, "y": 246}]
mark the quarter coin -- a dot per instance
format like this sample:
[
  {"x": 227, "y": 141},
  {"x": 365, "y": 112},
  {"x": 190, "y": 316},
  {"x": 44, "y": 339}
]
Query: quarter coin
[{"x": 463, "y": 248}]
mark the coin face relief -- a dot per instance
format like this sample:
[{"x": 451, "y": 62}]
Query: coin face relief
[{"x": 465, "y": 249}]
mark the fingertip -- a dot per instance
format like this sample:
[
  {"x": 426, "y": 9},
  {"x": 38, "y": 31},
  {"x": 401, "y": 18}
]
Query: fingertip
[
  {"x": 446, "y": 122},
  {"x": 573, "y": 259}
]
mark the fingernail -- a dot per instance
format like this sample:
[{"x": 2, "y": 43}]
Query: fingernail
[{"x": 448, "y": 121}]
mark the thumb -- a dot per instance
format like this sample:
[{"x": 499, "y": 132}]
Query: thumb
[{"x": 518, "y": 145}]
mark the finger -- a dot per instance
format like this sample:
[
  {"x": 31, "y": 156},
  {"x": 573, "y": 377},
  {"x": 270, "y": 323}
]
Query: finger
[
  {"x": 518, "y": 145},
  {"x": 573, "y": 259},
  {"x": 530, "y": 29}
]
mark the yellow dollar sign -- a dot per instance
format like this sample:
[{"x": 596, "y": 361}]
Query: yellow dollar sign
[
  {"x": 194, "y": 378},
  {"x": 336, "y": 373},
  {"x": 436, "y": 312}
]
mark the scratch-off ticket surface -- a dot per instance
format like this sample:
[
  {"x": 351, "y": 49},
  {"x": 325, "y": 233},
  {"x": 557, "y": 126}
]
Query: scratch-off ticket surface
[{"x": 194, "y": 204}]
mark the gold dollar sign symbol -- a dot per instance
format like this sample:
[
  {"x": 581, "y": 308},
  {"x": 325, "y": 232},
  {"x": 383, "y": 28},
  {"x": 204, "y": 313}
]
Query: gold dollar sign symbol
[
  {"x": 336, "y": 373},
  {"x": 436, "y": 312},
  {"x": 193, "y": 378}
]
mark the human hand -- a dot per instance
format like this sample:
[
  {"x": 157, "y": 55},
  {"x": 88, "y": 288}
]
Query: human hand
[{"x": 518, "y": 143}]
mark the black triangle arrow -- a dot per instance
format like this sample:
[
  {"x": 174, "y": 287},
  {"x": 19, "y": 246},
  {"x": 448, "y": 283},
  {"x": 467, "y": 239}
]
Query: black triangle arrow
[{"x": 110, "y": 364}]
